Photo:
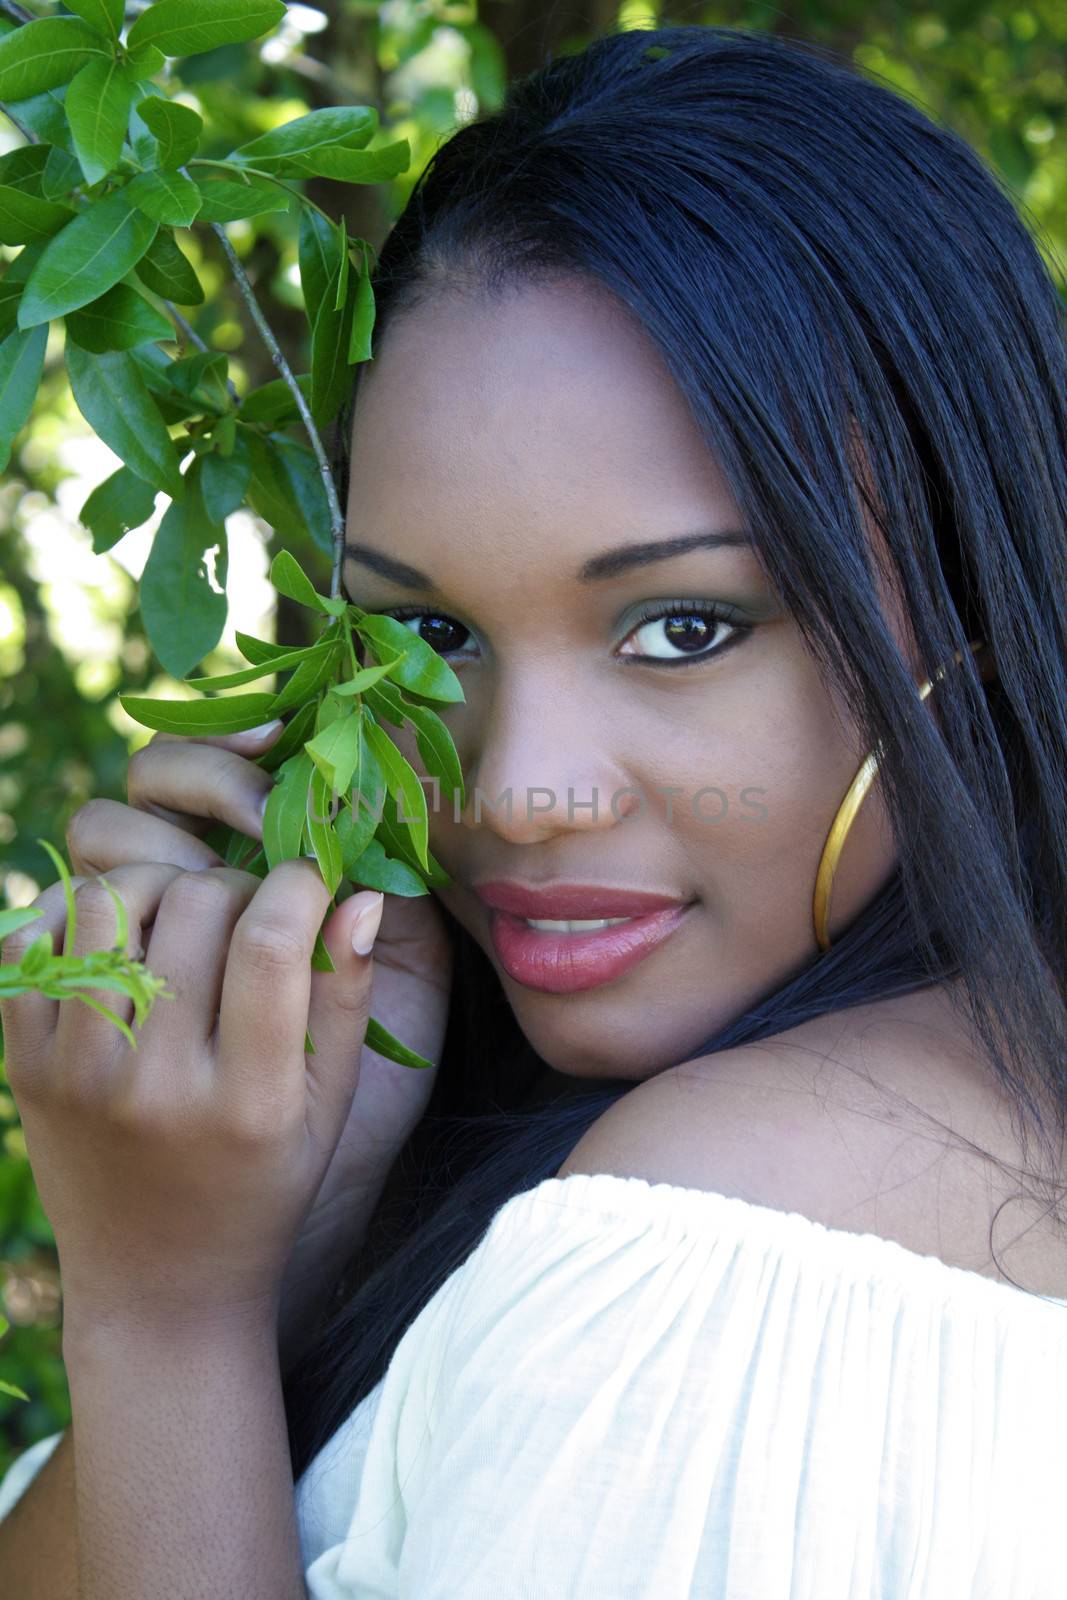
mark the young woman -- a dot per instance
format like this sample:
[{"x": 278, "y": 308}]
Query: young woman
[{"x": 715, "y": 437}]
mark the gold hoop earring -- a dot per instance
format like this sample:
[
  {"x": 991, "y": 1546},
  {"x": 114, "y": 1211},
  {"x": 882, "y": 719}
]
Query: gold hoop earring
[{"x": 846, "y": 814}]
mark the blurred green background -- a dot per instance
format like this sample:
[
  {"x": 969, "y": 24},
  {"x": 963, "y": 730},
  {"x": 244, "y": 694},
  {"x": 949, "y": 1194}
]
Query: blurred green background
[{"x": 70, "y": 632}]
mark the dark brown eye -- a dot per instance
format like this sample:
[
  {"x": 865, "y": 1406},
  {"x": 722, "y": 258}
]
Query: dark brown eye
[{"x": 690, "y": 629}]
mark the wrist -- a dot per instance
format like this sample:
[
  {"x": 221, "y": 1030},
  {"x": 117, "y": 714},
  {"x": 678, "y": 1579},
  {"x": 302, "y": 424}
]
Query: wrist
[{"x": 94, "y": 1331}]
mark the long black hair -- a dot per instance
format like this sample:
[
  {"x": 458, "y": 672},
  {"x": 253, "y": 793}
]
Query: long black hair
[{"x": 818, "y": 262}]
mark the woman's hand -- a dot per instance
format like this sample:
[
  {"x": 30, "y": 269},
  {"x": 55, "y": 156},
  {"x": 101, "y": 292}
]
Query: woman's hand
[
  {"x": 178, "y": 788},
  {"x": 177, "y": 1176}
]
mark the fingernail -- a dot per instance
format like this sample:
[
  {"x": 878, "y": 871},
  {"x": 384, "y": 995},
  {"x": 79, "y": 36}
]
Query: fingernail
[
  {"x": 365, "y": 927},
  {"x": 264, "y": 728}
]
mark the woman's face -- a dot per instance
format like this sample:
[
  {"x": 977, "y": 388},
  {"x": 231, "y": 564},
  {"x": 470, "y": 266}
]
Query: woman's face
[{"x": 502, "y": 448}]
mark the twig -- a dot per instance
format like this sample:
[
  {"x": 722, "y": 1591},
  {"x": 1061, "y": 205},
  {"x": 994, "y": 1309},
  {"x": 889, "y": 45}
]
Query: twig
[
  {"x": 337, "y": 525},
  {"x": 194, "y": 338},
  {"x": 186, "y": 327},
  {"x": 16, "y": 12}
]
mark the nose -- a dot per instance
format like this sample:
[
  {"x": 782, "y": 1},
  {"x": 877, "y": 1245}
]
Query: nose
[{"x": 540, "y": 768}]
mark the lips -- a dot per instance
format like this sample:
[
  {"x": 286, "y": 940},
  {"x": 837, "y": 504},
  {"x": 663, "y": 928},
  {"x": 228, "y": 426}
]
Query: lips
[
  {"x": 571, "y": 902},
  {"x": 567, "y": 963}
]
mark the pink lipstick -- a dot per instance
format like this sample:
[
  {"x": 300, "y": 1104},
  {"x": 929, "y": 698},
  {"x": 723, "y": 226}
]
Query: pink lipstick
[{"x": 559, "y": 962}]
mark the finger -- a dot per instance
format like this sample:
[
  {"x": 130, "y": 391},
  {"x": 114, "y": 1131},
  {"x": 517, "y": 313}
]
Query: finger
[
  {"x": 189, "y": 942},
  {"x": 339, "y": 1006},
  {"x": 192, "y": 790},
  {"x": 103, "y": 834},
  {"x": 29, "y": 1019},
  {"x": 266, "y": 989},
  {"x": 86, "y": 1042}
]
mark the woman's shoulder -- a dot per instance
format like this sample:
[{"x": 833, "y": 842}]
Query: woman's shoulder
[{"x": 883, "y": 1119}]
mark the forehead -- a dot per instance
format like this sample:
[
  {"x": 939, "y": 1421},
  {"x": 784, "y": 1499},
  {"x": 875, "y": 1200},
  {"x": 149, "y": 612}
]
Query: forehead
[{"x": 546, "y": 409}]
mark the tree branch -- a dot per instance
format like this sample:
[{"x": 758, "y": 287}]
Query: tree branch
[
  {"x": 16, "y": 12},
  {"x": 337, "y": 524}
]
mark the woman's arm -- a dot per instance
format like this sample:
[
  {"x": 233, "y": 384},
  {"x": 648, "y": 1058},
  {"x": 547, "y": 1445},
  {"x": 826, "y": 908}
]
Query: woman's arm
[
  {"x": 38, "y": 1553},
  {"x": 183, "y": 1485}
]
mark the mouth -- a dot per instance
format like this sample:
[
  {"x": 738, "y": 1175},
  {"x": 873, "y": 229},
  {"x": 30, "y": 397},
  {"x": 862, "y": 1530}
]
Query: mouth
[{"x": 565, "y": 956}]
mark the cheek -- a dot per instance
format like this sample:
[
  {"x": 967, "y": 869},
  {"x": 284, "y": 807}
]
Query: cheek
[{"x": 760, "y": 782}]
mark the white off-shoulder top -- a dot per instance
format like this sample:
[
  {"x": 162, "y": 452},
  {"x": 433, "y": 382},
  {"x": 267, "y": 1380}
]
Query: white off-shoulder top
[{"x": 637, "y": 1391}]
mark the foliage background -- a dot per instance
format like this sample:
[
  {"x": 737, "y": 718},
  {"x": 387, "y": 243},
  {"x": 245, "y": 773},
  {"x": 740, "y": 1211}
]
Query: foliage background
[{"x": 71, "y": 634}]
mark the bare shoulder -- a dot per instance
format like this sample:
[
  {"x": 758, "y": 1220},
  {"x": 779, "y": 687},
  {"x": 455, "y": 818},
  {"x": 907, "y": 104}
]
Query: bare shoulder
[{"x": 881, "y": 1119}]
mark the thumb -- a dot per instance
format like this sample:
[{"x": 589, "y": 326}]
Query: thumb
[{"x": 339, "y": 1005}]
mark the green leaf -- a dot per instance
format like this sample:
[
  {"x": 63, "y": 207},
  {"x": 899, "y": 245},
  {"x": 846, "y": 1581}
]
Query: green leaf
[
  {"x": 224, "y": 481},
  {"x": 362, "y": 680},
  {"x": 183, "y": 615},
  {"x": 121, "y": 502},
  {"x": 86, "y": 258},
  {"x": 257, "y": 650},
  {"x": 26, "y": 218},
  {"x": 37, "y": 956},
  {"x": 290, "y": 579},
  {"x": 335, "y": 749},
  {"x": 321, "y": 959},
  {"x": 438, "y": 752},
  {"x": 310, "y": 677},
  {"x": 320, "y": 830},
  {"x": 202, "y": 376},
  {"x": 119, "y": 320},
  {"x": 335, "y": 127},
  {"x": 286, "y": 813},
  {"x": 21, "y": 365},
  {"x": 224, "y": 437},
  {"x": 379, "y": 1038},
  {"x": 341, "y": 290},
  {"x": 45, "y": 115},
  {"x": 287, "y": 491},
  {"x": 44, "y": 174},
  {"x": 423, "y": 671},
  {"x": 167, "y": 271},
  {"x": 166, "y": 196},
  {"x": 42, "y": 55},
  {"x": 226, "y": 202},
  {"x": 188, "y": 27},
  {"x": 22, "y": 168},
  {"x": 396, "y": 839},
  {"x": 98, "y": 110},
  {"x": 228, "y": 714},
  {"x": 329, "y": 355},
  {"x": 11, "y": 921},
  {"x": 318, "y": 257},
  {"x": 402, "y": 781},
  {"x": 61, "y": 174},
  {"x": 291, "y": 739},
  {"x": 370, "y": 867},
  {"x": 111, "y": 395},
  {"x": 145, "y": 62},
  {"x": 12, "y": 284},
  {"x": 155, "y": 367},
  {"x": 232, "y": 680},
  {"x": 351, "y": 166},
  {"x": 103, "y": 15},
  {"x": 359, "y": 344},
  {"x": 176, "y": 129},
  {"x": 273, "y": 402},
  {"x": 305, "y": 481}
]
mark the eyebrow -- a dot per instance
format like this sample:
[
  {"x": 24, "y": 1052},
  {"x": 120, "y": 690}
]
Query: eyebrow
[{"x": 609, "y": 564}]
